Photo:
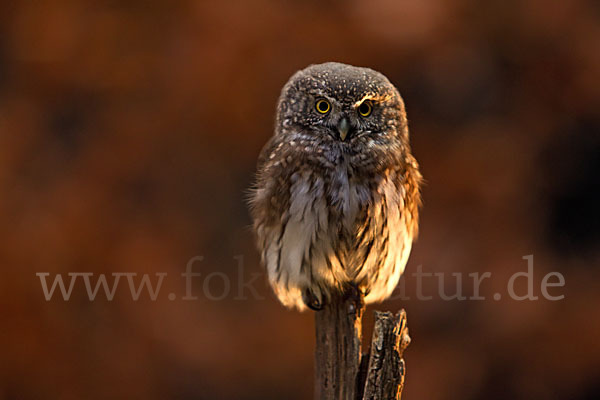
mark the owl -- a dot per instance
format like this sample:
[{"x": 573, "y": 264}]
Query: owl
[{"x": 336, "y": 201}]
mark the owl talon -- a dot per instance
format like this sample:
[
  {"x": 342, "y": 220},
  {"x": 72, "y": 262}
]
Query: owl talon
[
  {"x": 356, "y": 296},
  {"x": 311, "y": 301}
]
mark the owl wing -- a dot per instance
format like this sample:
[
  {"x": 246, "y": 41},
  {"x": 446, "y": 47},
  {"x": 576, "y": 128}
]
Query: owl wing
[
  {"x": 274, "y": 143},
  {"x": 291, "y": 221}
]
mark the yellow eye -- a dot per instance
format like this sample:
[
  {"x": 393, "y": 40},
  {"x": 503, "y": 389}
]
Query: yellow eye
[
  {"x": 365, "y": 108},
  {"x": 323, "y": 106}
]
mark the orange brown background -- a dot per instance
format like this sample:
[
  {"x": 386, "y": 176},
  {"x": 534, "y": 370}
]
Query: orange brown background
[{"x": 129, "y": 132}]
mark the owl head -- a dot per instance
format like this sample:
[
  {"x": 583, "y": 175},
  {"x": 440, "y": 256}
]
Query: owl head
[{"x": 343, "y": 105}]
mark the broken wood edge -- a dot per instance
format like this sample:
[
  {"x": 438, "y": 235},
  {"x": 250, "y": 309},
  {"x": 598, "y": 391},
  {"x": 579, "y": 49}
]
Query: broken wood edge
[
  {"x": 385, "y": 371},
  {"x": 342, "y": 372}
]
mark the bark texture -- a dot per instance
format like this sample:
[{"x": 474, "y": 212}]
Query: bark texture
[
  {"x": 385, "y": 370},
  {"x": 339, "y": 335},
  {"x": 342, "y": 372}
]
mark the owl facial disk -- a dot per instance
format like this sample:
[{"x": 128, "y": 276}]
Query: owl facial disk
[{"x": 343, "y": 128}]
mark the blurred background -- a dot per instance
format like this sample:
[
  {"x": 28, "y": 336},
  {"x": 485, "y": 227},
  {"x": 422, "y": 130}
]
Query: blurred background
[{"x": 129, "y": 132}]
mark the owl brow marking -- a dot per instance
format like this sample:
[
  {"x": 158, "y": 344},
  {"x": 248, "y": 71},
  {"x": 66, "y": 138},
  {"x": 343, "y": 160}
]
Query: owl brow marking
[{"x": 376, "y": 98}]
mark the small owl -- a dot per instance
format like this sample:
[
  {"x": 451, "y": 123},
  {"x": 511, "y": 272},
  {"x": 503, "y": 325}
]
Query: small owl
[{"x": 336, "y": 200}]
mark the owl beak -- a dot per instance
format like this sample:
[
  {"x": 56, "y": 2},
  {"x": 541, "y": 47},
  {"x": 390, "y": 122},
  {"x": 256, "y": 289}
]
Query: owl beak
[{"x": 343, "y": 128}]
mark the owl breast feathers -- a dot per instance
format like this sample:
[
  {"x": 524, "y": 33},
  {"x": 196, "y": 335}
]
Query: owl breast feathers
[{"x": 336, "y": 199}]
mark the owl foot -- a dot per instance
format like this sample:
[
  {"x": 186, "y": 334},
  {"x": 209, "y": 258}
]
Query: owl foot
[
  {"x": 311, "y": 300},
  {"x": 356, "y": 297}
]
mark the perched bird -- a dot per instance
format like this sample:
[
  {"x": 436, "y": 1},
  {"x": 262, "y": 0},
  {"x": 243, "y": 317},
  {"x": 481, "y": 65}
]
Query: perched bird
[{"x": 337, "y": 195}]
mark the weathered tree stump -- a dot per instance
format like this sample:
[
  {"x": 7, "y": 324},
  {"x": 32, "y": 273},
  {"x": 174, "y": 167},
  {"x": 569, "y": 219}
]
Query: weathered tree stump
[
  {"x": 342, "y": 372},
  {"x": 385, "y": 370}
]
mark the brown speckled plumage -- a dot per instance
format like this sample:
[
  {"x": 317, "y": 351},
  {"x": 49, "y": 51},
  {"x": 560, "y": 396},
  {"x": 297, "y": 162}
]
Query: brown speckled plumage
[{"x": 330, "y": 210}]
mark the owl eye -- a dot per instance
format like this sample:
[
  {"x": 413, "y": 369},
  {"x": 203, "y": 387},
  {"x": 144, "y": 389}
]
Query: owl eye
[
  {"x": 323, "y": 106},
  {"x": 365, "y": 108}
]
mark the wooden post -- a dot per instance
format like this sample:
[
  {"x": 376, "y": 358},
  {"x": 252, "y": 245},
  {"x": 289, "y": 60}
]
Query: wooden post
[
  {"x": 342, "y": 372},
  {"x": 339, "y": 335},
  {"x": 385, "y": 370}
]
